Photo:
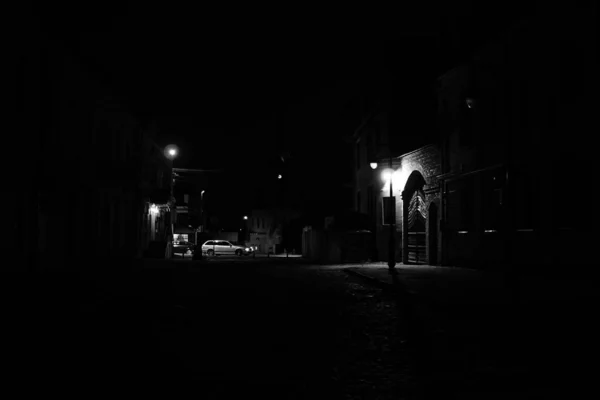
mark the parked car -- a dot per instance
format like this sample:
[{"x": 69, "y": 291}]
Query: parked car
[
  {"x": 183, "y": 247},
  {"x": 223, "y": 247}
]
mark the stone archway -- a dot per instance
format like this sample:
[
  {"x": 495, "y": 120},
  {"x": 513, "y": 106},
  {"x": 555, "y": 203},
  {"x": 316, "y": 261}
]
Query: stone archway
[{"x": 414, "y": 220}]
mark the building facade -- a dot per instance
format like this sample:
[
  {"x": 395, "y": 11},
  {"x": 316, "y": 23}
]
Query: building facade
[
  {"x": 379, "y": 150},
  {"x": 79, "y": 198},
  {"x": 265, "y": 229},
  {"x": 157, "y": 203},
  {"x": 515, "y": 124}
]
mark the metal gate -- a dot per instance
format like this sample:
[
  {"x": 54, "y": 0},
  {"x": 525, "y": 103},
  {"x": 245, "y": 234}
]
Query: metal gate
[{"x": 417, "y": 215}]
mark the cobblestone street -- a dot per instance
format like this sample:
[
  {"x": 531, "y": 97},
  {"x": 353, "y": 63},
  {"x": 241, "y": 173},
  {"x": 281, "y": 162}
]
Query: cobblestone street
[
  {"x": 231, "y": 331},
  {"x": 291, "y": 330}
]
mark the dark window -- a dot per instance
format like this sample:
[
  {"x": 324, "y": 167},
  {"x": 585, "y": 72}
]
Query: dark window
[
  {"x": 371, "y": 202},
  {"x": 466, "y": 124},
  {"x": 493, "y": 198},
  {"x": 370, "y": 147},
  {"x": 524, "y": 197},
  {"x": 572, "y": 58},
  {"x": 127, "y": 151},
  {"x": 461, "y": 204}
]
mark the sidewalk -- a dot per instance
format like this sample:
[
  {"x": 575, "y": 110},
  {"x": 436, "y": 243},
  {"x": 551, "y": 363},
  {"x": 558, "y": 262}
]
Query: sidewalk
[{"x": 495, "y": 329}]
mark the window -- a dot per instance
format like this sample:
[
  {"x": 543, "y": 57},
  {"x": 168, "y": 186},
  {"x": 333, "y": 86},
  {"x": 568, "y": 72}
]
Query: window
[
  {"x": 571, "y": 78},
  {"x": 524, "y": 195},
  {"x": 460, "y": 204},
  {"x": 127, "y": 151},
  {"x": 370, "y": 148},
  {"x": 371, "y": 201},
  {"x": 466, "y": 125},
  {"x": 493, "y": 198}
]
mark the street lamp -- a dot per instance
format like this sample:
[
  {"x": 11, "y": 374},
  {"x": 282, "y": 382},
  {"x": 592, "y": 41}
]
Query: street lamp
[
  {"x": 373, "y": 165},
  {"x": 243, "y": 229},
  {"x": 202, "y": 209},
  {"x": 388, "y": 175},
  {"x": 171, "y": 152}
]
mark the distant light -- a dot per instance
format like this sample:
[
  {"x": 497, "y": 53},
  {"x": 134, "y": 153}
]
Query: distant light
[
  {"x": 245, "y": 217},
  {"x": 171, "y": 151},
  {"x": 373, "y": 165},
  {"x": 279, "y": 176},
  {"x": 470, "y": 102}
]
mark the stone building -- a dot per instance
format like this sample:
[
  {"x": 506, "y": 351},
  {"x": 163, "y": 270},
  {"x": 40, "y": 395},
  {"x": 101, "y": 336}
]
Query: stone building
[
  {"x": 515, "y": 122},
  {"x": 415, "y": 188},
  {"x": 76, "y": 197}
]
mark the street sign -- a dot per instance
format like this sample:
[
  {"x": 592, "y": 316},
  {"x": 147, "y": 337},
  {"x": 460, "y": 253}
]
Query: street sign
[{"x": 389, "y": 210}]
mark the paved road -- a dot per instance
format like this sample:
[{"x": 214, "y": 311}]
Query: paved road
[
  {"x": 221, "y": 331},
  {"x": 276, "y": 329}
]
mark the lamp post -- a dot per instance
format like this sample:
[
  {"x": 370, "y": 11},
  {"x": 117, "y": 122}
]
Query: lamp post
[
  {"x": 202, "y": 209},
  {"x": 171, "y": 152},
  {"x": 392, "y": 252},
  {"x": 392, "y": 216}
]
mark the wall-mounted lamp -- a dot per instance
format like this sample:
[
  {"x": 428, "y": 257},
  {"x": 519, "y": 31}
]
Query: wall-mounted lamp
[{"x": 373, "y": 165}]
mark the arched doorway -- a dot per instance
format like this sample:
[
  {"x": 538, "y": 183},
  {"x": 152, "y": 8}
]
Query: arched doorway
[
  {"x": 432, "y": 222},
  {"x": 417, "y": 217},
  {"x": 414, "y": 220}
]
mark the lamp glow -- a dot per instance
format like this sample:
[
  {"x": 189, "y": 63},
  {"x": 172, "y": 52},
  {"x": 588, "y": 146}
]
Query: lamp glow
[
  {"x": 171, "y": 151},
  {"x": 373, "y": 165},
  {"x": 387, "y": 175},
  {"x": 153, "y": 209}
]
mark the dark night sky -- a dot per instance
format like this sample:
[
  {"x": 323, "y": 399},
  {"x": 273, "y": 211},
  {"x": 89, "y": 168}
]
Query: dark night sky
[{"x": 237, "y": 87}]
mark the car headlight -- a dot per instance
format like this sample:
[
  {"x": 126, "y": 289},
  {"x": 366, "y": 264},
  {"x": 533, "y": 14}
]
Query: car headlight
[{"x": 247, "y": 249}]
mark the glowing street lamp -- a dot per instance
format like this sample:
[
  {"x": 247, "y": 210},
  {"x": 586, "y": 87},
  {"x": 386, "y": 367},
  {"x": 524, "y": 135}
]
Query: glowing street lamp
[
  {"x": 373, "y": 165},
  {"x": 171, "y": 151},
  {"x": 245, "y": 217},
  {"x": 387, "y": 175}
]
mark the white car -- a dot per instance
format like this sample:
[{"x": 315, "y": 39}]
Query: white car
[{"x": 223, "y": 247}]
